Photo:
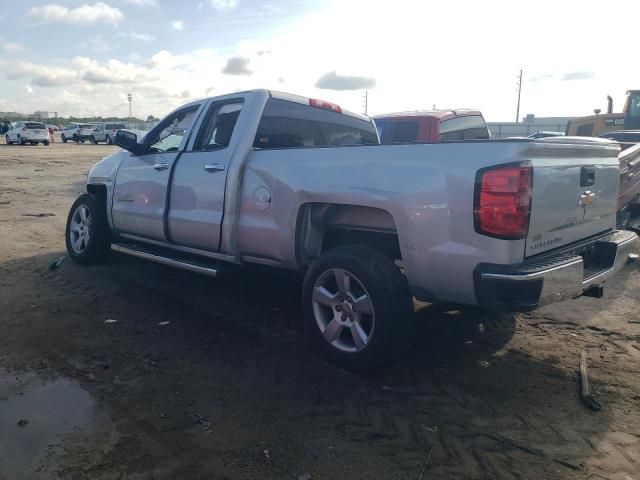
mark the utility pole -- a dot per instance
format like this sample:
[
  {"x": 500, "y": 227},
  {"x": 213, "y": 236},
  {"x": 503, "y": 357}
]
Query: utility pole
[
  {"x": 519, "y": 92},
  {"x": 366, "y": 101}
]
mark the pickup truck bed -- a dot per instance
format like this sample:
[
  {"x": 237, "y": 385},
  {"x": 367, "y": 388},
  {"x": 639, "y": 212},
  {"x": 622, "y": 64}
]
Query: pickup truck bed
[{"x": 290, "y": 182}]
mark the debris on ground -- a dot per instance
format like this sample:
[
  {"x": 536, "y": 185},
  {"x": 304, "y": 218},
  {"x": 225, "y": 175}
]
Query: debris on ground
[
  {"x": 57, "y": 262},
  {"x": 22, "y": 423},
  {"x": 110, "y": 320},
  {"x": 162, "y": 324},
  {"x": 483, "y": 364},
  {"x": 429, "y": 429},
  {"x": 426, "y": 463},
  {"x": 266, "y": 454},
  {"x": 585, "y": 390},
  {"x": 304, "y": 476},
  {"x": 38, "y": 214},
  {"x": 206, "y": 425},
  {"x": 5, "y": 202}
]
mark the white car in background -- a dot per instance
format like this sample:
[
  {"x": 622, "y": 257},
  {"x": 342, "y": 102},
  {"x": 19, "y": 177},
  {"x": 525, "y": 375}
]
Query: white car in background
[
  {"x": 72, "y": 131},
  {"x": 28, "y": 132},
  {"x": 106, "y": 132}
]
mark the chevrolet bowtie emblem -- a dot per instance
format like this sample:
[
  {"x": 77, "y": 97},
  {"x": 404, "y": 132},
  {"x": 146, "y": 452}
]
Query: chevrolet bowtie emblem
[{"x": 587, "y": 198}]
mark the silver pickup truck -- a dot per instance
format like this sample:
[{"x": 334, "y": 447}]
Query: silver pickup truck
[{"x": 268, "y": 178}]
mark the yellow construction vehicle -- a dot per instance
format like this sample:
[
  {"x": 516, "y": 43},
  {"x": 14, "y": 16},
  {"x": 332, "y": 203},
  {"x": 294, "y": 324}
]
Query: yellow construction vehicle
[{"x": 594, "y": 125}]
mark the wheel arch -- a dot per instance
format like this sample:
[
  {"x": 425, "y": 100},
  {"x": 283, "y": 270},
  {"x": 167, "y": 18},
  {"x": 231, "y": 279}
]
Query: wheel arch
[
  {"x": 321, "y": 226},
  {"x": 99, "y": 192}
]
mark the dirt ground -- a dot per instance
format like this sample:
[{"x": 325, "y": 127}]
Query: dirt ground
[{"x": 228, "y": 388}]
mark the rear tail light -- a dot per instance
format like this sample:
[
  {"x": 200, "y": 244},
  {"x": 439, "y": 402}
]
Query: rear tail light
[
  {"x": 502, "y": 203},
  {"x": 314, "y": 102}
]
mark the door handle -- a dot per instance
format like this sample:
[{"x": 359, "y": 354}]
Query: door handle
[
  {"x": 161, "y": 166},
  {"x": 214, "y": 167}
]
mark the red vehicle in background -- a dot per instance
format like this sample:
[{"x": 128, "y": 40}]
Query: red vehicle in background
[{"x": 431, "y": 126}]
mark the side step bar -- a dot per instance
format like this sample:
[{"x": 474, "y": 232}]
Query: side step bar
[{"x": 189, "y": 264}]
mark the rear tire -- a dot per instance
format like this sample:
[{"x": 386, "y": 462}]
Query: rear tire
[
  {"x": 109, "y": 141},
  {"x": 21, "y": 140},
  {"x": 87, "y": 234},
  {"x": 93, "y": 140},
  {"x": 358, "y": 307},
  {"x": 46, "y": 143},
  {"x": 64, "y": 139}
]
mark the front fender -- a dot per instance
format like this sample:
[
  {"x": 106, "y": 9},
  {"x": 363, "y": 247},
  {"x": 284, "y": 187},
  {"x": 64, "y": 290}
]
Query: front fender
[{"x": 104, "y": 173}]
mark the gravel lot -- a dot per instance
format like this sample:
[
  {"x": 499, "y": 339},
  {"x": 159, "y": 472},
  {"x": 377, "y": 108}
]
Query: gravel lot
[{"x": 228, "y": 389}]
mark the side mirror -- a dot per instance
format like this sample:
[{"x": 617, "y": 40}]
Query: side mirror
[{"x": 128, "y": 141}]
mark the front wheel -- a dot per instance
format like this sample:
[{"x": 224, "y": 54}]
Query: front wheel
[
  {"x": 358, "y": 307},
  {"x": 6, "y": 138},
  {"x": 87, "y": 234}
]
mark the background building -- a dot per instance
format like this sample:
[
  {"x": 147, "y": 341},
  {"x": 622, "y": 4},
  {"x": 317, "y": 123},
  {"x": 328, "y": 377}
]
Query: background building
[{"x": 530, "y": 124}]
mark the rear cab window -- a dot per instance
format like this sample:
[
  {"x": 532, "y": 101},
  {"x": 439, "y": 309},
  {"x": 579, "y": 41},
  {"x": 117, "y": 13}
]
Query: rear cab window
[
  {"x": 468, "y": 127},
  {"x": 288, "y": 124},
  {"x": 405, "y": 131},
  {"x": 34, "y": 126}
]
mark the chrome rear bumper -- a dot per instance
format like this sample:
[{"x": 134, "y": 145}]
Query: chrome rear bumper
[{"x": 551, "y": 278}]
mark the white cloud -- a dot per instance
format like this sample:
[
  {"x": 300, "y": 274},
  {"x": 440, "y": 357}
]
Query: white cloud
[
  {"x": 11, "y": 47},
  {"x": 142, "y": 3},
  {"x": 177, "y": 25},
  {"x": 85, "y": 14},
  {"x": 221, "y": 5},
  {"x": 28, "y": 89},
  {"x": 140, "y": 37},
  {"x": 98, "y": 44}
]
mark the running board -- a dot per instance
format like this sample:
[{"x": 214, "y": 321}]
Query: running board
[{"x": 185, "y": 263}]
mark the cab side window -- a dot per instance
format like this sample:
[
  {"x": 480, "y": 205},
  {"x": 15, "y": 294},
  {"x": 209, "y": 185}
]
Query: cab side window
[
  {"x": 168, "y": 136},
  {"x": 218, "y": 125}
]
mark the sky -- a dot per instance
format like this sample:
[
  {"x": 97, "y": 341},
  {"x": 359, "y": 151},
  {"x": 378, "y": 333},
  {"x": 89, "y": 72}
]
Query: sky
[{"x": 82, "y": 57}]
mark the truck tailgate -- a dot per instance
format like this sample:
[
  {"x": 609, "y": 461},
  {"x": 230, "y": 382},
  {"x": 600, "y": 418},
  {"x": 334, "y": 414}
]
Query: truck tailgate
[{"x": 575, "y": 189}]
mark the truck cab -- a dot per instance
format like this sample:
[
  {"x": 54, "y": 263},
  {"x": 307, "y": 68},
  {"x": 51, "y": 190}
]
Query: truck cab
[{"x": 431, "y": 126}]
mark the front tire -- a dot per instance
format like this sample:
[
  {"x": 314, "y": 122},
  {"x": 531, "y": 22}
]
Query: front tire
[
  {"x": 87, "y": 234},
  {"x": 358, "y": 307},
  {"x": 6, "y": 138}
]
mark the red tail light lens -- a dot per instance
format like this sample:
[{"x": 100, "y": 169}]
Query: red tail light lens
[
  {"x": 503, "y": 201},
  {"x": 314, "y": 102}
]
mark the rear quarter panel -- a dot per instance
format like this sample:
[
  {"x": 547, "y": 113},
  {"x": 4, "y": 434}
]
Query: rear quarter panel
[{"x": 427, "y": 188}]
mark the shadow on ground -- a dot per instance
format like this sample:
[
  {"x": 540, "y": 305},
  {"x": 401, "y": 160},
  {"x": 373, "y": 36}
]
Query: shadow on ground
[{"x": 228, "y": 388}]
